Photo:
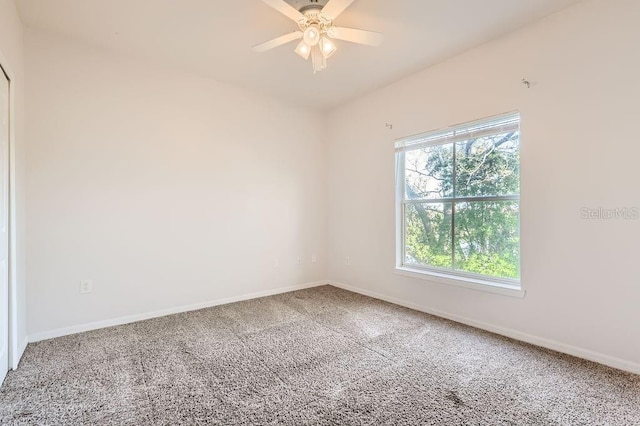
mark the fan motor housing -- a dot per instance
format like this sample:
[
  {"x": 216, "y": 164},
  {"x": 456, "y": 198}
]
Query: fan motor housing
[{"x": 307, "y": 5}]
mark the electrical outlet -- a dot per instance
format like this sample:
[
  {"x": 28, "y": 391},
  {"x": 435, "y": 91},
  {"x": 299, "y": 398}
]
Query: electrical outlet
[
  {"x": 299, "y": 260},
  {"x": 276, "y": 263},
  {"x": 314, "y": 258},
  {"x": 86, "y": 286},
  {"x": 347, "y": 261}
]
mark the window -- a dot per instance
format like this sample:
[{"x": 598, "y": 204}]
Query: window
[{"x": 458, "y": 194}]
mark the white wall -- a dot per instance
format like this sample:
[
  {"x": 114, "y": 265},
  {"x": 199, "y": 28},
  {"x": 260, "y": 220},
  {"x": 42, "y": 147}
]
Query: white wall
[
  {"x": 579, "y": 149},
  {"x": 165, "y": 189},
  {"x": 11, "y": 51}
]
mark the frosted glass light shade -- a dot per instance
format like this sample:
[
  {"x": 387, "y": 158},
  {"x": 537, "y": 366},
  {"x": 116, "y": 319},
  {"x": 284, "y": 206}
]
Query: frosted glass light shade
[
  {"x": 303, "y": 50},
  {"x": 312, "y": 35},
  {"x": 327, "y": 47}
]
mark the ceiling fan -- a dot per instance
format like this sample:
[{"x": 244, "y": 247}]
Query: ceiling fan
[{"x": 316, "y": 30}]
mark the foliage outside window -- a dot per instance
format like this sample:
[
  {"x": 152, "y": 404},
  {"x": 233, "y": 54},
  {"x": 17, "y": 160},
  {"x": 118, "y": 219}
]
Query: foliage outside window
[{"x": 459, "y": 200}]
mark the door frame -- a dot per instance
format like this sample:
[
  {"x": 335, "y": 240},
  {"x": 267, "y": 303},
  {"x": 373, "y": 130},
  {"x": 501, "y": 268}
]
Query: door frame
[{"x": 15, "y": 348}]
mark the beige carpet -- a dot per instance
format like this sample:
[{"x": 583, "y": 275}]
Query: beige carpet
[{"x": 322, "y": 356}]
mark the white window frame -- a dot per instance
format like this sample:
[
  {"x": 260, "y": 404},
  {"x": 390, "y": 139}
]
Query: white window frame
[{"x": 503, "y": 286}]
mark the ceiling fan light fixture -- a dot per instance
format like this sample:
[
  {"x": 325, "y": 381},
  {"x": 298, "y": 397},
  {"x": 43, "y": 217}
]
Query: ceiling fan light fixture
[
  {"x": 303, "y": 50},
  {"x": 315, "y": 26},
  {"x": 327, "y": 46},
  {"x": 312, "y": 35}
]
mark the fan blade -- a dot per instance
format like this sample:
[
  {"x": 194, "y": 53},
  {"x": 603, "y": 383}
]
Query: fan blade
[
  {"x": 335, "y": 8},
  {"x": 279, "y": 41},
  {"x": 369, "y": 38},
  {"x": 286, "y": 9}
]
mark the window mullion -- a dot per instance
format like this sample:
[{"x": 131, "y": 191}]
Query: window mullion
[
  {"x": 464, "y": 199},
  {"x": 453, "y": 209}
]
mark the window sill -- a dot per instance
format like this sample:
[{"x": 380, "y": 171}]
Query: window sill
[{"x": 464, "y": 282}]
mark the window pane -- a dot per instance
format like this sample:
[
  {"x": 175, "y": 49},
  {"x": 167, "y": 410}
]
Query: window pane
[
  {"x": 429, "y": 172},
  {"x": 487, "y": 238},
  {"x": 488, "y": 165},
  {"x": 428, "y": 234}
]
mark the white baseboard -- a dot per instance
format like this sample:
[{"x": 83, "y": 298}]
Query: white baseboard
[
  {"x": 59, "y": 332},
  {"x": 600, "y": 358}
]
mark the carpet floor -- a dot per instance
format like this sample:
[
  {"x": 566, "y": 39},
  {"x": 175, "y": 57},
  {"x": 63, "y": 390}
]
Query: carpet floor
[{"x": 321, "y": 356}]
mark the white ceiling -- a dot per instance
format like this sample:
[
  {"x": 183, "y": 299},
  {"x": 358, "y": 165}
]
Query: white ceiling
[{"x": 214, "y": 38}]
